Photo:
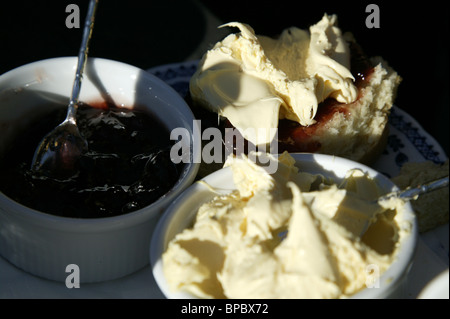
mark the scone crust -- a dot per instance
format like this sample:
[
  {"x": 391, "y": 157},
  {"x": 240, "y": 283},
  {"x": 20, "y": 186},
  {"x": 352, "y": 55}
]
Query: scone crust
[{"x": 361, "y": 133}]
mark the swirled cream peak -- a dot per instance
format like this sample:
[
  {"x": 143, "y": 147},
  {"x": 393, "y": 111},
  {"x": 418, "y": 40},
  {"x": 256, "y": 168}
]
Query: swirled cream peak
[{"x": 254, "y": 81}]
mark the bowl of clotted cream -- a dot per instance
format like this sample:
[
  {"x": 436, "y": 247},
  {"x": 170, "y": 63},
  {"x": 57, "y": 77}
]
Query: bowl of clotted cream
[{"x": 288, "y": 226}]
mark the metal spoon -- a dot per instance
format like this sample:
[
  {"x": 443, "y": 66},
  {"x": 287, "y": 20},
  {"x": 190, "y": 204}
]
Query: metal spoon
[
  {"x": 59, "y": 150},
  {"x": 359, "y": 214},
  {"x": 413, "y": 193}
]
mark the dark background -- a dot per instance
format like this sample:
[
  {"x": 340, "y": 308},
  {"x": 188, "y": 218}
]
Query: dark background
[{"x": 413, "y": 38}]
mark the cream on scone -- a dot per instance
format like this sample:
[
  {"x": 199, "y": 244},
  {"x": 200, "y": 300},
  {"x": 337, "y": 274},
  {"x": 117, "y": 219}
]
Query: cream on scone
[{"x": 303, "y": 89}]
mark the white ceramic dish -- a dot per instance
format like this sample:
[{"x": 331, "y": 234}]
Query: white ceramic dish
[
  {"x": 438, "y": 288},
  {"x": 102, "y": 248},
  {"x": 181, "y": 213}
]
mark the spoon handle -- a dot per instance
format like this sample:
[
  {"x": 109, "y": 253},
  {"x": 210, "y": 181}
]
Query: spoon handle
[
  {"x": 412, "y": 193},
  {"x": 82, "y": 55}
]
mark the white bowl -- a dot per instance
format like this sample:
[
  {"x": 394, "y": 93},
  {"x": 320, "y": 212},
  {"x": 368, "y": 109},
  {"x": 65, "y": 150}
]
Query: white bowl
[
  {"x": 102, "y": 248},
  {"x": 182, "y": 211}
]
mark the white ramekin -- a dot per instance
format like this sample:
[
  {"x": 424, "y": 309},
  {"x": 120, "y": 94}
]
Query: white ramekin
[{"x": 102, "y": 248}]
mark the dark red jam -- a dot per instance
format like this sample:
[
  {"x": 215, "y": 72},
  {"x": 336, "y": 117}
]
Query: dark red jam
[{"x": 127, "y": 166}]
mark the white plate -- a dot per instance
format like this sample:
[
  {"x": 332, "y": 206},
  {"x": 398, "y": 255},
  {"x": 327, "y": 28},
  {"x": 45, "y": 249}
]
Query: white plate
[
  {"x": 438, "y": 288},
  {"x": 408, "y": 142}
]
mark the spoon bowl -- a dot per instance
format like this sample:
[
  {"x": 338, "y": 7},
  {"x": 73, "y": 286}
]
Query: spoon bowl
[
  {"x": 363, "y": 213},
  {"x": 59, "y": 150}
]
